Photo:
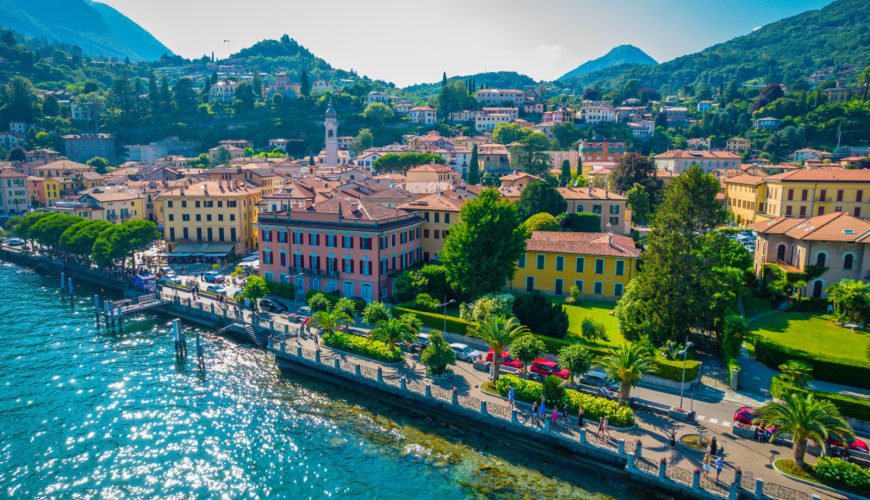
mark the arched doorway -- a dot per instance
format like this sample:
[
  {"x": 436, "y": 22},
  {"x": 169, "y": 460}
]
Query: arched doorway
[
  {"x": 780, "y": 252},
  {"x": 821, "y": 259},
  {"x": 817, "y": 289}
]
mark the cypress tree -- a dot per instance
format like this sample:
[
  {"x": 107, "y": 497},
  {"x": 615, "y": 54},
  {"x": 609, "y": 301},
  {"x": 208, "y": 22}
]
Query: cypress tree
[
  {"x": 566, "y": 171},
  {"x": 473, "y": 168}
]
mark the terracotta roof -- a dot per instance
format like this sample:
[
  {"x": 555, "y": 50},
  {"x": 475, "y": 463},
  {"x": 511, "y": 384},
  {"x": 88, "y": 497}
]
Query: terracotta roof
[
  {"x": 745, "y": 179},
  {"x": 519, "y": 175},
  {"x": 827, "y": 174},
  {"x": 589, "y": 193},
  {"x": 113, "y": 196},
  {"x": 63, "y": 165},
  {"x": 835, "y": 226},
  {"x": 703, "y": 155},
  {"x": 354, "y": 209},
  {"x": 433, "y": 167},
  {"x": 210, "y": 189},
  {"x": 449, "y": 201},
  {"x": 11, "y": 173},
  {"x": 582, "y": 243}
]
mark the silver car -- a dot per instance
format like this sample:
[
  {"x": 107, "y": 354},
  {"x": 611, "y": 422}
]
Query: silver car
[{"x": 466, "y": 352}]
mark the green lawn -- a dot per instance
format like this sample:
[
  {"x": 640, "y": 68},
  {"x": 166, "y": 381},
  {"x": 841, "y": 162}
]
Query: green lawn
[
  {"x": 752, "y": 305},
  {"x": 598, "y": 310},
  {"x": 813, "y": 333}
]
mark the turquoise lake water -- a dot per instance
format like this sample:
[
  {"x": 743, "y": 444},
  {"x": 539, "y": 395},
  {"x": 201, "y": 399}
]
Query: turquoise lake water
[{"x": 85, "y": 412}]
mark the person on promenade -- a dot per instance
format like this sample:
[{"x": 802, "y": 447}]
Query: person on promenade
[
  {"x": 673, "y": 439},
  {"x": 713, "y": 446},
  {"x": 317, "y": 345},
  {"x": 707, "y": 466},
  {"x": 600, "y": 425},
  {"x": 719, "y": 466},
  {"x": 565, "y": 412},
  {"x": 542, "y": 410},
  {"x": 604, "y": 426},
  {"x": 555, "y": 415},
  {"x": 580, "y": 413},
  {"x": 511, "y": 394},
  {"x": 535, "y": 413}
]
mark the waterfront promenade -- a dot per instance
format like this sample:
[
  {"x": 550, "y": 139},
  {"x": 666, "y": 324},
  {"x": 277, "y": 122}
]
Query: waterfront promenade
[{"x": 652, "y": 429}]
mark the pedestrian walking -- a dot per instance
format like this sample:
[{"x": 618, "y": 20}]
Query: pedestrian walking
[
  {"x": 719, "y": 466},
  {"x": 600, "y": 425},
  {"x": 316, "y": 344},
  {"x": 542, "y": 410},
  {"x": 713, "y": 446},
  {"x": 604, "y": 427},
  {"x": 535, "y": 413},
  {"x": 511, "y": 395},
  {"x": 565, "y": 411},
  {"x": 706, "y": 467},
  {"x": 580, "y": 413},
  {"x": 555, "y": 415},
  {"x": 673, "y": 439}
]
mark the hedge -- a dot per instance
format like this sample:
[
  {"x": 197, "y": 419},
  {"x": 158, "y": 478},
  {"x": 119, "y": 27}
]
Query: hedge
[
  {"x": 436, "y": 321},
  {"x": 594, "y": 407},
  {"x": 849, "y": 406},
  {"x": 825, "y": 368},
  {"x": 361, "y": 345},
  {"x": 282, "y": 290}
]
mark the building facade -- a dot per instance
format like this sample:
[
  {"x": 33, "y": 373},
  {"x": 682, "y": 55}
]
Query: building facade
[
  {"x": 817, "y": 191},
  {"x": 83, "y": 147},
  {"x": 612, "y": 207},
  {"x": 745, "y": 196},
  {"x": 14, "y": 198},
  {"x": 439, "y": 212},
  {"x": 612, "y": 151}
]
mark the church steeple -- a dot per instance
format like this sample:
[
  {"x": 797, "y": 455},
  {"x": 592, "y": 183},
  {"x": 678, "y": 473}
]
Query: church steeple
[{"x": 330, "y": 125}]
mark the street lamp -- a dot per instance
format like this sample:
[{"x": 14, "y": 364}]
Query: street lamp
[
  {"x": 685, "y": 353},
  {"x": 445, "y": 304}
]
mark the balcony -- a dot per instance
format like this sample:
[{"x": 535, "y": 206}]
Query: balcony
[{"x": 319, "y": 273}]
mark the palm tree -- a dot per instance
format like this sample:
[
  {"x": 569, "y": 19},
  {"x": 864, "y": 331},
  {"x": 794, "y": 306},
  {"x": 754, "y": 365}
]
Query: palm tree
[
  {"x": 627, "y": 363},
  {"x": 804, "y": 418},
  {"x": 499, "y": 332},
  {"x": 330, "y": 321},
  {"x": 392, "y": 331}
]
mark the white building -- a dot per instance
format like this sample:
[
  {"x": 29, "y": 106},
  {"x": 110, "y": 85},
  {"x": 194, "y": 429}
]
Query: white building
[
  {"x": 19, "y": 127},
  {"x": 85, "y": 110},
  {"x": 598, "y": 113},
  {"x": 643, "y": 129},
  {"x": 678, "y": 161},
  {"x": 146, "y": 153},
  {"x": 497, "y": 97},
  {"x": 705, "y": 106},
  {"x": 10, "y": 140},
  {"x": 422, "y": 115},
  {"x": 377, "y": 96},
  {"x": 487, "y": 122},
  {"x": 222, "y": 92}
]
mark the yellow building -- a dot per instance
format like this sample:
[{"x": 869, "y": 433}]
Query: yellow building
[
  {"x": 812, "y": 192},
  {"x": 115, "y": 206},
  {"x": 44, "y": 189},
  {"x": 440, "y": 212},
  {"x": 600, "y": 265},
  {"x": 745, "y": 196},
  {"x": 213, "y": 218}
]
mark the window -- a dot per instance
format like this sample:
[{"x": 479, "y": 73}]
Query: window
[
  {"x": 437, "y": 217},
  {"x": 803, "y": 210},
  {"x": 859, "y": 195},
  {"x": 857, "y": 212},
  {"x": 171, "y": 217},
  {"x": 447, "y": 218},
  {"x": 347, "y": 242},
  {"x": 184, "y": 233},
  {"x": 232, "y": 203},
  {"x": 839, "y": 195},
  {"x": 436, "y": 233},
  {"x": 540, "y": 263},
  {"x": 522, "y": 262},
  {"x": 169, "y": 203},
  {"x": 580, "y": 265},
  {"x": 598, "y": 288},
  {"x": 614, "y": 221},
  {"x": 823, "y": 194},
  {"x": 171, "y": 234},
  {"x": 232, "y": 234},
  {"x": 614, "y": 209},
  {"x": 313, "y": 239},
  {"x": 848, "y": 260},
  {"x": 560, "y": 263},
  {"x": 557, "y": 289},
  {"x": 365, "y": 243},
  {"x": 579, "y": 285},
  {"x": 790, "y": 194},
  {"x": 183, "y": 203},
  {"x": 596, "y": 209},
  {"x": 232, "y": 217},
  {"x": 599, "y": 266},
  {"x": 185, "y": 217},
  {"x": 821, "y": 258},
  {"x": 620, "y": 267},
  {"x": 221, "y": 219},
  {"x": 426, "y": 216},
  {"x": 788, "y": 211},
  {"x": 530, "y": 283},
  {"x": 425, "y": 235},
  {"x": 804, "y": 195},
  {"x": 297, "y": 238},
  {"x": 617, "y": 289},
  {"x": 821, "y": 210}
]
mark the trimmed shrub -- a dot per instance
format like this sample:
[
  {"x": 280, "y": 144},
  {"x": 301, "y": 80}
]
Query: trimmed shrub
[
  {"x": 592, "y": 329},
  {"x": 282, "y": 290},
  {"x": 361, "y": 345},
  {"x": 435, "y": 320},
  {"x": 849, "y": 406},
  {"x": 825, "y": 368},
  {"x": 836, "y": 470},
  {"x": 593, "y": 406},
  {"x": 437, "y": 355},
  {"x": 541, "y": 316},
  {"x": 553, "y": 390},
  {"x": 423, "y": 302}
]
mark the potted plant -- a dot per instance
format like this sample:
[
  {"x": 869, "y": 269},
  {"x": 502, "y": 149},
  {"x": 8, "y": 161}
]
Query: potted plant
[{"x": 680, "y": 414}]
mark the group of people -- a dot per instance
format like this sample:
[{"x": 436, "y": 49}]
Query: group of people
[{"x": 764, "y": 432}]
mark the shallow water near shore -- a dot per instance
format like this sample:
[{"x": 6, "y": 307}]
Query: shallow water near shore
[{"x": 86, "y": 412}]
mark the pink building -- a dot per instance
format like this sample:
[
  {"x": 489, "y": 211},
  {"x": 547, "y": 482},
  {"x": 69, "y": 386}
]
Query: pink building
[{"x": 349, "y": 246}]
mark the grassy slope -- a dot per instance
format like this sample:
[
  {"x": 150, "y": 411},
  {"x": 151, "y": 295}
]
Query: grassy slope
[{"x": 813, "y": 333}]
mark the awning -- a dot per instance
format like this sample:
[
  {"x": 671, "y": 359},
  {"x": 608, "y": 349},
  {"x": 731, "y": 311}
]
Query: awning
[{"x": 201, "y": 249}]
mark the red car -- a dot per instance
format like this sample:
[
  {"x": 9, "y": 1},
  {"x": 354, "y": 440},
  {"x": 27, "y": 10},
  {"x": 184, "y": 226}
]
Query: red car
[
  {"x": 545, "y": 367},
  {"x": 506, "y": 359},
  {"x": 855, "y": 445},
  {"x": 745, "y": 415}
]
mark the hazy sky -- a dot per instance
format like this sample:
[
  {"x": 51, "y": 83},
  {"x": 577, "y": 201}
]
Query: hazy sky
[{"x": 412, "y": 41}]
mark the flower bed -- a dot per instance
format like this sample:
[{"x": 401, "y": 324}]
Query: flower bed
[
  {"x": 829, "y": 472},
  {"x": 593, "y": 406},
  {"x": 361, "y": 345}
]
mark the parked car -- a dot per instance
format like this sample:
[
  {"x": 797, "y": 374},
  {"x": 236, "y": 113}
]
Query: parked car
[
  {"x": 304, "y": 312},
  {"x": 423, "y": 339},
  {"x": 745, "y": 415},
  {"x": 466, "y": 352},
  {"x": 856, "y": 444},
  {"x": 506, "y": 359},
  {"x": 169, "y": 280},
  {"x": 216, "y": 289},
  {"x": 272, "y": 306},
  {"x": 15, "y": 242},
  {"x": 213, "y": 277},
  {"x": 546, "y": 368}
]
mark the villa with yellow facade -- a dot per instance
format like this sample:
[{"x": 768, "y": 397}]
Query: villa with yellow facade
[
  {"x": 440, "y": 212},
  {"x": 209, "y": 218},
  {"x": 599, "y": 264},
  {"x": 612, "y": 207},
  {"x": 811, "y": 192},
  {"x": 744, "y": 197}
]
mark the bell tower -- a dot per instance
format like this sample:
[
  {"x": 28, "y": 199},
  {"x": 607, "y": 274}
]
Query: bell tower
[{"x": 330, "y": 124}]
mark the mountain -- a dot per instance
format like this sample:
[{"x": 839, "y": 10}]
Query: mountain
[
  {"x": 492, "y": 80},
  {"x": 97, "y": 28},
  {"x": 623, "y": 54},
  {"x": 785, "y": 51}
]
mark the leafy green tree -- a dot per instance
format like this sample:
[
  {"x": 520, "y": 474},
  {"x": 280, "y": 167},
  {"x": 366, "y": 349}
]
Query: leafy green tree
[
  {"x": 541, "y": 222},
  {"x": 318, "y": 302},
  {"x": 375, "y": 312},
  {"x": 345, "y": 306},
  {"x": 481, "y": 252},
  {"x": 79, "y": 238},
  {"x": 304, "y": 83},
  {"x": 104, "y": 252},
  {"x": 100, "y": 164},
  {"x": 541, "y": 315},
  {"x": 575, "y": 358},
  {"x": 593, "y": 330},
  {"x": 796, "y": 373},
  {"x": 531, "y": 153},
  {"x": 639, "y": 202},
  {"x": 378, "y": 113},
  {"x": 185, "y": 96},
  {"x": 413, "y": 322},
  {"x": 49, "y": 229},
  {"x": 527, "y": 348},
  {"x": 627, "y": 363},
  {"x": 851, "y": 300},
  {"x": 499, "y": 332},
  {"x": 553, "y": 390},
  {"x": 243, "y": 100},
  {"x": 362, "y": 141},
  {"x": 438, "y": 354},
  {"x": 565, "y": 176},
  {"x": 20, "y": 102},
  {"x": 50, "y": 106},
  {"x": 393, "y": 331},
  {"x": 17, "y": 154},
  {"x": 803, "y": 417},
  {"x": 565, "y": 135},
  {"x": 256, "y": 287},
  {"x": 135, "y": 236},
  {"x": 540, "y": 197},
  {"x": 473, "y": 168},
  {"x": 583, "y": 222},
  {"x": 507, "y": 133},
  {"x": 330, "y": 321}
]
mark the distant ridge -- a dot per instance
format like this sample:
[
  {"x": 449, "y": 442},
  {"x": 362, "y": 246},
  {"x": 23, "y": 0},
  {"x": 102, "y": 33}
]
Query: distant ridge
[{"x": 623, "y": 54}]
